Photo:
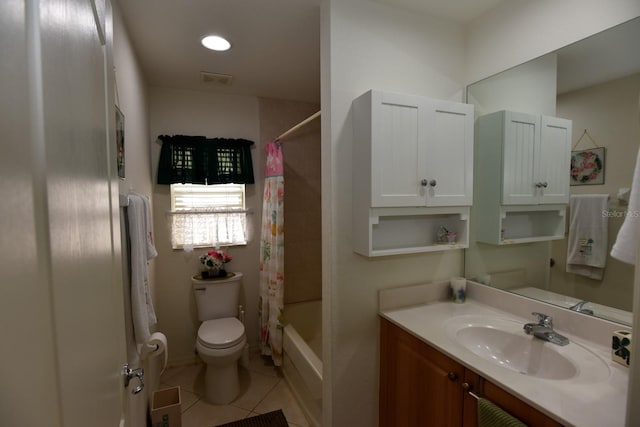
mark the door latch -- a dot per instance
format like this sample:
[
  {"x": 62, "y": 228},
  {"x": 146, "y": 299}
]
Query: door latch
[{"x": 129, "y": 373}]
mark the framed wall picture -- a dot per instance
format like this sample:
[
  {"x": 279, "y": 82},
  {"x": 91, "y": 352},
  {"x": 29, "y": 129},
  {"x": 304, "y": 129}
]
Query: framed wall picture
[
  {"x": 120, "y": 142},
  {"x": 587, "y": 167}
]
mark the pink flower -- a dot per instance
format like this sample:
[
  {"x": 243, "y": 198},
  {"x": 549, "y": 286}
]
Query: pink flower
[{"x": 215, "y": 259}]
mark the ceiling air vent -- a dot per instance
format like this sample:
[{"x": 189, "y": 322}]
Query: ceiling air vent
[{"x": 215, "y": 78}]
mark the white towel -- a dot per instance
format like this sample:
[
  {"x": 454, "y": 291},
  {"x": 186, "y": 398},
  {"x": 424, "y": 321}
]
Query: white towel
[
  {"x": 587, "y": 242},
  {"x": 142, "y": 250},
  {"x": 151, "y": 249},
  {"x": 626, "y": 243}
]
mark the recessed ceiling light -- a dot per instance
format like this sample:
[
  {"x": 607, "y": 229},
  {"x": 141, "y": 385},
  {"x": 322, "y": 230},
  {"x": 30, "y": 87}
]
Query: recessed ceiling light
[{"x": 216, "y": 43}]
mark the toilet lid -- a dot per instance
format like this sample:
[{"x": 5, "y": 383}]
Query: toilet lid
[{"x": 221, "y": 333}]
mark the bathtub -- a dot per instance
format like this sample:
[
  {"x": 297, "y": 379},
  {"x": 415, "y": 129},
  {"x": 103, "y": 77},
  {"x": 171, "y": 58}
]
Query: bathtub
[{"x": 302, "y": 360}]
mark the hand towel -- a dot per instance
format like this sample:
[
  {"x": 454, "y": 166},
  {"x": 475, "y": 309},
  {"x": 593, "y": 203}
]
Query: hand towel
[
  {"x": 142, "y": 310},
  {"x": 626, "y": 243},
  {"x": 588, "y": 239},
  {"x": 151, "y": 249},
  {"x": 489, "y": 415}
]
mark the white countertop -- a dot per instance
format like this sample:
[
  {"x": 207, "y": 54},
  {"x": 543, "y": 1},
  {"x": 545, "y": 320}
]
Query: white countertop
[{"x": 581, "y": 403}]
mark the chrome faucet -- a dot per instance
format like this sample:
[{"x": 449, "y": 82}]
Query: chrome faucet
[
  {"x": 579, "y": 307},
  {"x": 544, "y": 330}
]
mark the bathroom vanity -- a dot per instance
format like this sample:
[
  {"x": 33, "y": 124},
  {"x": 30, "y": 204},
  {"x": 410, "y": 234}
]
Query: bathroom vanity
[
  {"x": 438, "y": 357},
  {"x": 411, "y": 370}
]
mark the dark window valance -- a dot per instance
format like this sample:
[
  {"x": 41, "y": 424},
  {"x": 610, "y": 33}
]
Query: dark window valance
[{"x": 199, "y": 160}]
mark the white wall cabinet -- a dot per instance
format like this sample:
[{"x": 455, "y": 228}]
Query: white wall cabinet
[
  {"x": 419, "y": 150},
  {"x": 532, "y": 152},
  {"x": 522, "y": 175},
  {"x": 412, "y": 172}
]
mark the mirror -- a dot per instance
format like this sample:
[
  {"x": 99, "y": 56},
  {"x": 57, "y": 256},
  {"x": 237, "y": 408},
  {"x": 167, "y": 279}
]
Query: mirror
[{"x": 595, "y": 83}]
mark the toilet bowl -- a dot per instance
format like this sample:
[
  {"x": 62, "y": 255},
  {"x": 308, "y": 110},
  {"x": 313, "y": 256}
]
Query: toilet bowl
[
  {"x": 221, "y": 337},
  {"x": 220, "y": 344}
]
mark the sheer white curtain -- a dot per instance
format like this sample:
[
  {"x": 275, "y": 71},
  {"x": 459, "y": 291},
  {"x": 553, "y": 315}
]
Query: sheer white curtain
[{"x": 207, "y": 227}]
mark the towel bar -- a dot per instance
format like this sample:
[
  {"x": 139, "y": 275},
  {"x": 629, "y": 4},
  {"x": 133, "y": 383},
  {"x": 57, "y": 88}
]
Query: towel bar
[
  {"x": 467, "y": 387},
  {"x": 472, "y": 394}
]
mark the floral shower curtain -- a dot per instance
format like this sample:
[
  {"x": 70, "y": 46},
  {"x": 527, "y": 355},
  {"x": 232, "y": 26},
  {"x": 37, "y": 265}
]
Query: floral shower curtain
[{"x": 271, "y": 304}]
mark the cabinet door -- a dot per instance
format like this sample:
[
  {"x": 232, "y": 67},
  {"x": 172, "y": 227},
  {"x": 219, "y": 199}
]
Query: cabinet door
[
  {"x": 501, "y": 398},
  {"x": 449, "y": 171},
  {"x": 521, "y": 147},
  {"x": 419, "y": 386},
  {"x": 397, "y": 152},
  {"x": 554, "y": 161}
]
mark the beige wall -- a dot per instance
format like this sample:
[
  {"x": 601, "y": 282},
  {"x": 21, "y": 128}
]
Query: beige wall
[
  {"x": 609, "y": 113},
  {"x": 302, "y": 259},
  {"x": 527, "y": 88},
  {"x": 131, "y": 98},
  {"x": 379, "y": 47},
  {"x": 213, "y": 115},
  {"x": 518, "y": 31}
]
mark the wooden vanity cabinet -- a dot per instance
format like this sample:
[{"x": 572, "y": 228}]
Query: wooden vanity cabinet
[{"x": 420, "y": 386}]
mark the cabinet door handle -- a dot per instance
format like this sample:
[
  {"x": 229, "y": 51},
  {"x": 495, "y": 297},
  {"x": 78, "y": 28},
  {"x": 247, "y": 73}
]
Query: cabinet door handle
[
  {"x": 466, "y": 386},
  {"x": 544, "y": 184},
  {"x": 424, "y": 182},
  {"x": 432, "y": 183},
  {"x": 452, "y": 376}
]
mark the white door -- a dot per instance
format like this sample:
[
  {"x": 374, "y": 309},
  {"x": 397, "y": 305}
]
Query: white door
[
  {"x": 449, "y": 154},
  {"x": 397, "y": 151},
  {"x": 521, "y": 145},
  {"x": 61, "y": 303},
  {"x": 555, "y": 160}
]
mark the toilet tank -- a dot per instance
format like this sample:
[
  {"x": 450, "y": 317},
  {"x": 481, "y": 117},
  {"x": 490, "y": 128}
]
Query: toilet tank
[{"x": 217, "y": 298}]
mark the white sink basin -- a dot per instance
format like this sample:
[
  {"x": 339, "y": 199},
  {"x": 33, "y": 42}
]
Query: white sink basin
[{"x": 504, "y": 343}]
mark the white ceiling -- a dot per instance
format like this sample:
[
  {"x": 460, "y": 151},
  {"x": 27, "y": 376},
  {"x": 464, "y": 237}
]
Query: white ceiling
[{"x": 275, "y": 43}]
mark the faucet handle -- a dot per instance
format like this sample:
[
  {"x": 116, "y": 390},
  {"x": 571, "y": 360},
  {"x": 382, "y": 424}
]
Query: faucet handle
[{"x": 543, "y": 319}]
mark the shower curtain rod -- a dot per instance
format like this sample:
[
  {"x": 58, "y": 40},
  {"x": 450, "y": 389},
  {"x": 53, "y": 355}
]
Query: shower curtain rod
[{"x": 299, "y": 125}]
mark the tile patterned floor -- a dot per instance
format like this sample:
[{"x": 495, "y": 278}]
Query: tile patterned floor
[{"x": 262, "y": 389}]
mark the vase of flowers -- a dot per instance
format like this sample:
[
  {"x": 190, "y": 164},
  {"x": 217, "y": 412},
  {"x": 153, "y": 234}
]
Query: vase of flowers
[{"x": 214, "y": 262}]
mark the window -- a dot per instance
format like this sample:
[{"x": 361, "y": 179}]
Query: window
[{"x": 208, "y": 215}]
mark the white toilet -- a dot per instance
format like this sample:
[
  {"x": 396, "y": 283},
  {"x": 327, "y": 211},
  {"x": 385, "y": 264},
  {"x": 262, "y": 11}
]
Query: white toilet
[{"x": 221, "y": 337}]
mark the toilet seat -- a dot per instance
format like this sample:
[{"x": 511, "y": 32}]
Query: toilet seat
[{"x": 221, "y": 333}]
